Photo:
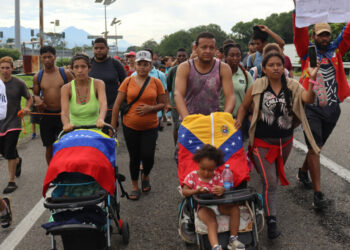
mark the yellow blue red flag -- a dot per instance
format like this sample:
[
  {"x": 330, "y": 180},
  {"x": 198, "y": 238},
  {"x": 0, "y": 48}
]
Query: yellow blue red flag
[{"x": 216, "y": 129}]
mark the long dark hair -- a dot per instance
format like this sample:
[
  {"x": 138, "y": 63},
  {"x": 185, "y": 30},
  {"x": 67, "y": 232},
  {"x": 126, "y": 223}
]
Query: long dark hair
[{"x": 287, "y": 92}]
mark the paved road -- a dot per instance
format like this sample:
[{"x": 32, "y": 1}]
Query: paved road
[{"x": 153, "y": 218}]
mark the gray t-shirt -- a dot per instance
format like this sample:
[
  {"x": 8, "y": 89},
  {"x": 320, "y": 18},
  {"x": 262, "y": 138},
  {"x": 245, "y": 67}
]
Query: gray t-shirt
[{"x": 15, "y": 90}]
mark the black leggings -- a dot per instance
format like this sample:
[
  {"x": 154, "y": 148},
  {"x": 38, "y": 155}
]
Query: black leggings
[{"x": 141, "y": 147}]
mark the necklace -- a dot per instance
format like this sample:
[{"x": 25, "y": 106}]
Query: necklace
[{"x": 82, "y": 99}]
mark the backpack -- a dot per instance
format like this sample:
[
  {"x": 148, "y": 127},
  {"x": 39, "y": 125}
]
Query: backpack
[
  {"x": 62, "y": 73},
  {"x": 3, "y": 101}
]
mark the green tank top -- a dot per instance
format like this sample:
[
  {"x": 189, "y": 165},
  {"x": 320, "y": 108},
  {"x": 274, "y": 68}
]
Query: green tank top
[{"x": 84, "y": 114}]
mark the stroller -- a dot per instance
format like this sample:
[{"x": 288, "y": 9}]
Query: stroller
[
  {"x": 85, "y": 200},
  {"x": 218, "y": 130}
]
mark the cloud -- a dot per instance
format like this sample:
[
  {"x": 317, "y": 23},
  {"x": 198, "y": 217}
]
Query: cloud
[{"x": 141, "y": 20}]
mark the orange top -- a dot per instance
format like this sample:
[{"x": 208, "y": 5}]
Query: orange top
[{"x": 149, "y": 97}]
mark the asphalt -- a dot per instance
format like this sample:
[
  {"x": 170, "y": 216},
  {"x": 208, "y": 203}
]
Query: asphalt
[{"x": 153, "y": 219}]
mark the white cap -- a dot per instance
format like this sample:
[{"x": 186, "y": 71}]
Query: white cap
[{"x": 143, "y": 55}]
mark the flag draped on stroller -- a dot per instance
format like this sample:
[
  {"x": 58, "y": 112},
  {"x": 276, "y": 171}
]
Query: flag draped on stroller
[
  {"x": 89, "y": 152},
  {"x": 194, "y": 132}
]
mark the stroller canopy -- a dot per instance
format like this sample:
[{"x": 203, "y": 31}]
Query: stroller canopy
[
  {"x": 218, "y": 130},
  {"x": 89, "y": 152}
]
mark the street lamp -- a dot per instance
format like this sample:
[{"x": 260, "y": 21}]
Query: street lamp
[
  {"x": 105, "y": 3},
  {"x": 55, "y": 23},
  {"x": 116, "y": 22}
]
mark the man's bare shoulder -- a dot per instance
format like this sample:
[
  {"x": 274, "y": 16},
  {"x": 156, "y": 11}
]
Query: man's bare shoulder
[
  {"x": 224, "y": 68},
  {"x": 183, "y": 67}
]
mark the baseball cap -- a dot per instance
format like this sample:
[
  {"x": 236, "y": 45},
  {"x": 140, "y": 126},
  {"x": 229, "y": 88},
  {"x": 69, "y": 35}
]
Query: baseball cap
[
  {"x": 322, "y": 27},
  {"x": 143, "y": 55},
  {"x": 117, "y": 57},
  {"x": 131, "y": 53}
]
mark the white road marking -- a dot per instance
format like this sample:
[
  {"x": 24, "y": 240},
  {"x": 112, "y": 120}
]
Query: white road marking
[
  {"x": 24, "y": 226},
  {"x": 328, "y": 163}
]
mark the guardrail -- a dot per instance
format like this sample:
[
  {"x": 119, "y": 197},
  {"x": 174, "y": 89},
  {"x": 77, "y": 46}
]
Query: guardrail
[{"x": 345, "y": 64}]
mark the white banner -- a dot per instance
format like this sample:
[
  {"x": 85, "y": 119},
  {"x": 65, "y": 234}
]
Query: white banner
[{"x": 309, "y": 12}]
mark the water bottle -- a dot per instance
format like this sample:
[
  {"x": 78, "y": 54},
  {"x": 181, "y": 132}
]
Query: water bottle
[{"x": 227, "y": 177}]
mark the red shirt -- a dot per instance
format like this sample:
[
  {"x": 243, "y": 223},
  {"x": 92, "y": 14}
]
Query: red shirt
[{"x": 193, "y": 181}]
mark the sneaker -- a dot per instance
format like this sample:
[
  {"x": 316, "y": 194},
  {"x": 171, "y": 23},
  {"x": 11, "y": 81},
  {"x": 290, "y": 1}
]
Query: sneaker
[
  {"x": 272, "y": 230},
  {"x": 320, "y": 202},
  {"x": 6, "y": 220},
  {"x": 19, "y": 167},
  {"x": 33, "y": 135},
  {"x": 168, "y": 121},
  {"x": 303, "y": 178},
  {"x": 11, "y": 186},
  {"x": 234, "y": 243},
  {"x": 217, "y": 247}
]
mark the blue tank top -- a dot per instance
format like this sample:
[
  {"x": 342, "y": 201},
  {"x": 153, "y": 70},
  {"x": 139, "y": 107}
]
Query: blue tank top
[{"x": 203, "y": 90}]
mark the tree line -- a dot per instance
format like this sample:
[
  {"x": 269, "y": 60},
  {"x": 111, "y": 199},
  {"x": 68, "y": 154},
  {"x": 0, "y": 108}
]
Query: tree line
[{"x": 241, "y": 33}]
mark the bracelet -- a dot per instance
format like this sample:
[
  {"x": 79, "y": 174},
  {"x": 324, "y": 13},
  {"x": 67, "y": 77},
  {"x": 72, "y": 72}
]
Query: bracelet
[{"x": 312, "y": 81}]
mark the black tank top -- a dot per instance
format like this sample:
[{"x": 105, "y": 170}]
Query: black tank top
[{"x": 275, "y": 120}]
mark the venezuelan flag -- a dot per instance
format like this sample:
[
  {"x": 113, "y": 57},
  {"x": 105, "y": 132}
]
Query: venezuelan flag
[
  {"x": 218, "y": 130},
  {"x": 89, "y": 152}
]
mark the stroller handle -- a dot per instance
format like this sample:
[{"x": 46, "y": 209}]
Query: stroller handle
[
  {"x": 227, "y": 198},
  {"x": 108, "y": 126}
]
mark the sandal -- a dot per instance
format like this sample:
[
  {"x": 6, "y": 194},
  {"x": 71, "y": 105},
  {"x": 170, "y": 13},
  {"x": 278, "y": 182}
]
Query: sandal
[
  {"x": 146, "y": 187},
  {"x": 11, "y": 186},
  {"x": 136, "y": 194}
]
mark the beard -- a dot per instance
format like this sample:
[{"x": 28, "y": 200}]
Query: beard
[
  {"x": 321, "y": 46},
  {"x": 101, "y": 57}
]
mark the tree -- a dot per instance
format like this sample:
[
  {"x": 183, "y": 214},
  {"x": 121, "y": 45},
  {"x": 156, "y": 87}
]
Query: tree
[
  {"x": 14, "y": 53},
  {"x": 171, "y": 43},
  {"x": 150, "y": 44},
  {"x": 220, "y": 35},
  {"x": 133, "y": 48}
]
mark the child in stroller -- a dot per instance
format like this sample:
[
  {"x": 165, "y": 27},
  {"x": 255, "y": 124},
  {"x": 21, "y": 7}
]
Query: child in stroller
[
  {"x": 217, "y": 130},
  {"x": 207, "y": 180}
]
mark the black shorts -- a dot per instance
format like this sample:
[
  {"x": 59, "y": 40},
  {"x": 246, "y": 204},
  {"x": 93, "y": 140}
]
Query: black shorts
[
  {"x": 50, "y": 127},
  {"x": 35, "y": 118},
  {"x": 8, "y": 145},
  {"x": 321, "y": 126}
]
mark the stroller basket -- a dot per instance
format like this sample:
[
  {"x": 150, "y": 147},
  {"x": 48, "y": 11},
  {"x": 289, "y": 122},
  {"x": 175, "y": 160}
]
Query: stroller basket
[{"x": 74, "y": 202}]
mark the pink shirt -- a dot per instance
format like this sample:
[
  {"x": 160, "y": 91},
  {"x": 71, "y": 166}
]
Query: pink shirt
[{"x": 193, "y": 181}]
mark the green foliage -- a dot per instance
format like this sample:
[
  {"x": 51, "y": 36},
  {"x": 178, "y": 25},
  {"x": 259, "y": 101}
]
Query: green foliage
[
  {"x": 220, "y": 35},
  {"x": 63, "y": 61},
  {"x": 133, "y": 48},
  {"x": 150, "y": 44},
  {"x": 281, "y": 24},
  {"x": 170, "y": 44},
  {"x": 14, "y": 53}
]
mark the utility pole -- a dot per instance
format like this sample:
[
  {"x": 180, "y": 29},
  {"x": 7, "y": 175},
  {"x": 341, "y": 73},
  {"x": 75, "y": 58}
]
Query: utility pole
[
  {"x": 17, "y": 26},
  {"x": 41, "y": 6}
]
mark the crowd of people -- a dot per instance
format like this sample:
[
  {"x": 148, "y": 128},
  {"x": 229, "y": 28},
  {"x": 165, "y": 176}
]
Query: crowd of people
[{"x": 143, "y": 91}]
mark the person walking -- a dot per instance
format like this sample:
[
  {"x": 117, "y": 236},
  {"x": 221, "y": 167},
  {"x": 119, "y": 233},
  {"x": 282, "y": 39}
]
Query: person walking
[
  {"x": 322, "y": 119},
  {"x": 145, "y": 96},
  {"x": 11, "y": 127},
  {"x": 47, "y": 84},
  {"x": 84, "y": 98},
  {"x": 276, "y": 101},
  {"x": 199, "y": 81}
]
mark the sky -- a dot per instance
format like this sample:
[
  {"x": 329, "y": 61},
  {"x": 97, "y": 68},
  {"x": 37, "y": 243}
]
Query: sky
[{"x": 141, "y": 20}]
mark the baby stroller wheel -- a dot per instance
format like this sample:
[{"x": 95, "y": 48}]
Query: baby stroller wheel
[{"x": 125, "y": 232}]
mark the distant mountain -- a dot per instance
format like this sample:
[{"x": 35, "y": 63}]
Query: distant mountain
[{"x": 74, "y": 37}]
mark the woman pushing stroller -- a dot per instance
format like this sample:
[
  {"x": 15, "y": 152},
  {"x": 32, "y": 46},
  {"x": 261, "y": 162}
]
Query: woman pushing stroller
[
  {"x": 83, "y": 100},
  {"x": 207, "y": 180}
]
